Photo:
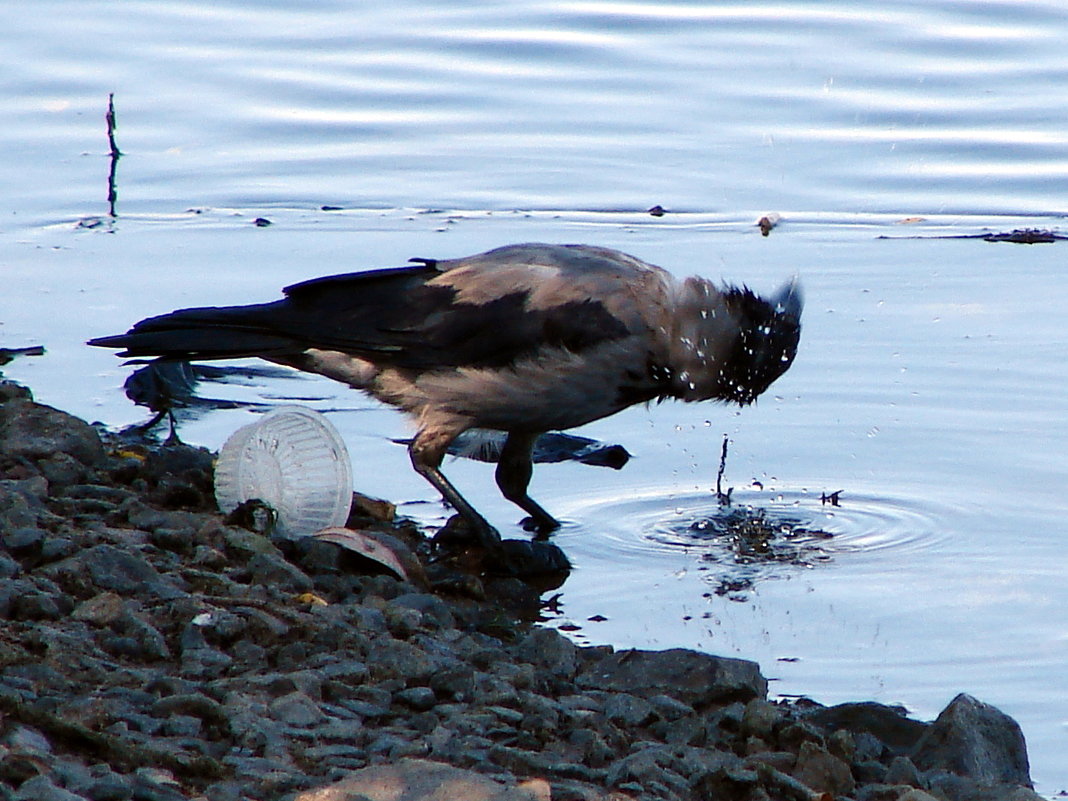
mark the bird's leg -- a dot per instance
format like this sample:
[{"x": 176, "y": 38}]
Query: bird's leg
[
  {"x": 514, "y": 469},
  {"x": 427, "y": 451}
]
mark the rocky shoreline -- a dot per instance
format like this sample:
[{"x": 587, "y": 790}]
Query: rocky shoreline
[{"x": 152, "y": 650}]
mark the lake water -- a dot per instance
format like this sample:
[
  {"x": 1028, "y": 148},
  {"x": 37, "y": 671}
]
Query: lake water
[{"x": 930, "y": 387}]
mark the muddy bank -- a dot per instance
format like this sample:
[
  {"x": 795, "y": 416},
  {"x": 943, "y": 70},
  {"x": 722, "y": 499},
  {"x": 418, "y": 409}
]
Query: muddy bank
[{"x": 151, "y": 650}]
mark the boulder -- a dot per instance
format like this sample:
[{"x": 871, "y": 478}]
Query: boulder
[
  {"x": 975, "y": 740},
  {"x": 689, "y": 676},
  {"x": 36, "y": 431}
]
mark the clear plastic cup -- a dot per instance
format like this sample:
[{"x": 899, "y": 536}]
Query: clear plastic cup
[{"x": 293, "y": 460}]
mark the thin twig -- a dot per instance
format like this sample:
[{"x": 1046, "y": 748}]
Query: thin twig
[
  {"x": 723, "y": 498},
  {"x": 110, "y": 118},
  {"x": 115, "y": 154}
]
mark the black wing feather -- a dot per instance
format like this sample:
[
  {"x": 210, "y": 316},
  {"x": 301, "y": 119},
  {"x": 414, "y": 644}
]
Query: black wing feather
[{"x": 390, "y": 316}]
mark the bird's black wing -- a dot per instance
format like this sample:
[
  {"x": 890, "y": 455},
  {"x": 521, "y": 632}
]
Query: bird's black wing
[{"x": 400, "y": 317}]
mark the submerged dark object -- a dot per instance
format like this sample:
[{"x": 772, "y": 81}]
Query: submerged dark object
[
  {"x": 554, "y": 446},
  {"x": 10, "y": 354},
  {"x": 522, "y": 339}
]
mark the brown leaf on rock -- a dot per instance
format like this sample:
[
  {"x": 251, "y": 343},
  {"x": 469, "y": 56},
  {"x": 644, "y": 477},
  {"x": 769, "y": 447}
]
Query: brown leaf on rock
[{"x": 366, "y": 546}]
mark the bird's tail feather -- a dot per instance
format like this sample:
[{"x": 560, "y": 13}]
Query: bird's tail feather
[{"x": 203, "y": 333}]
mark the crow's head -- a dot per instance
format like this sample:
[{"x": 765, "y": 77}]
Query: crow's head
[{"x": 768, "y": 332}]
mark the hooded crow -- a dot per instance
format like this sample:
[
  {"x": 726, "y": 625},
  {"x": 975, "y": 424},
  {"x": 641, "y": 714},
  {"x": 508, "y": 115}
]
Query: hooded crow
[{"x": 522, "y": 339}]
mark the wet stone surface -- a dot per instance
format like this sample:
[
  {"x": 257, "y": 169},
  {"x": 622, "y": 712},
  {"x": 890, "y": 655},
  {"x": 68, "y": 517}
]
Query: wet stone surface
[{"x": 151, "y": 651}]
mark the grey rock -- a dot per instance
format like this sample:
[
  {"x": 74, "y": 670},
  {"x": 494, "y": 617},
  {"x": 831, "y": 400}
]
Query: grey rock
[
  {"x": 153, "y": 784},
  {"x": 433, "y": 609},
  {"x": 181, "y": 726},
  {"x": 335, "y": 751},
  {"x": 296, "y": 709},
  {"x": 273, "y": 570},
  {"x": 628, "y": 710},
  {"x": 670, "y": 708},
  {"x": 975, "y": 740},
  {"x": 822, "y": 771},
  {"x": 55, "y": 548},
  {"x": 347, "y": 671},
  {"x": 549, "y": 650},
  {"x": 41, "y": 788},
  {"x": 691, "y": 730},
  {"x": 418, "y": 698},
  {"x": 110, "y": 787},
  {"x": 196, "y": 705},
  {"x": 878, "y": 791},
  {"x": 24, "y": 541},
  {"x": 9, "y": 568},
  {"x": 760, "y": 718},
  {"x": 403, "y": 621},
  {"x": 17, "y": 511},
  {"x": 26, "y": 740},
  {"x": 518, "y": 760},
  {"x": 36, "y": 431},
  {"x": 106, "y": 567},
  {"x": 457, "y": 682},
  {"x": 590, "y": 748},
  {"x": 398, "y": 659},
  {"x": 649, "y": 770},
  {"x": 888, "y": 724},
  {"x": 36, "y": 605},
  {"x": 203, "y": 663},
  {"x": 902, "y": 771},
  {"x": 688, "y": 676}
]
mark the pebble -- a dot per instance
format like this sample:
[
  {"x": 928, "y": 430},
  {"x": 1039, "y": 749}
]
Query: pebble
[{"x": 158, "y": 653}]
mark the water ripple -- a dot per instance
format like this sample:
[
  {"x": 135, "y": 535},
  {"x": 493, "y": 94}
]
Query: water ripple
[{"x": 864, "y": 524}]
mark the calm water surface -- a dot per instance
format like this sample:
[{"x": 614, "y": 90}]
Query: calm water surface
[{"x": 930, "y": 386}]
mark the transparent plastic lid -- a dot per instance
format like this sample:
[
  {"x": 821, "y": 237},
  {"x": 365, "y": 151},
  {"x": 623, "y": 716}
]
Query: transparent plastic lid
[{"x": 293, "y": 460}]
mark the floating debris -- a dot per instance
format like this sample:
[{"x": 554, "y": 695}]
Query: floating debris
[
  {"x": 832, "y": 498},
  {"x": 9, "y": 354},
  {"x": 767, "y": 222},
  {"x": 1019, "y": 236}
]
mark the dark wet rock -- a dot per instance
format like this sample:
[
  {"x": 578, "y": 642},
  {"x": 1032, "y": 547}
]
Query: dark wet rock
[
  {"x": 9, "y": 568},
  {"x": 822, "y": 771},
  {"x": 296, "y": 709},
  {"x": 38, "y": 432},
  {"x": 628, "y": 710},
  {"x": 41, "y": 788},
  {"x": 688, "y": 676},
  {"x": 888, "y": 724},
  {"x": 973, "y": 739},
  {"x": 902, "y": 771},
  {"x": 106, "y": 567},
  {"x": 20, "y": 505},
  {"x": 274, "y": 571},
  {"x": 549, "y": 650},
  {"x": 432, "y": 610},
  {"x": 761, "y": 719},
  {"x": 25, "y": 542}
]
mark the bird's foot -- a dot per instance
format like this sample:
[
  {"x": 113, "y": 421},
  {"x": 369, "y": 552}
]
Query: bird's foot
[
  {"x": 542, "y": 527},
  {"x": 460, "y": 531}
]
